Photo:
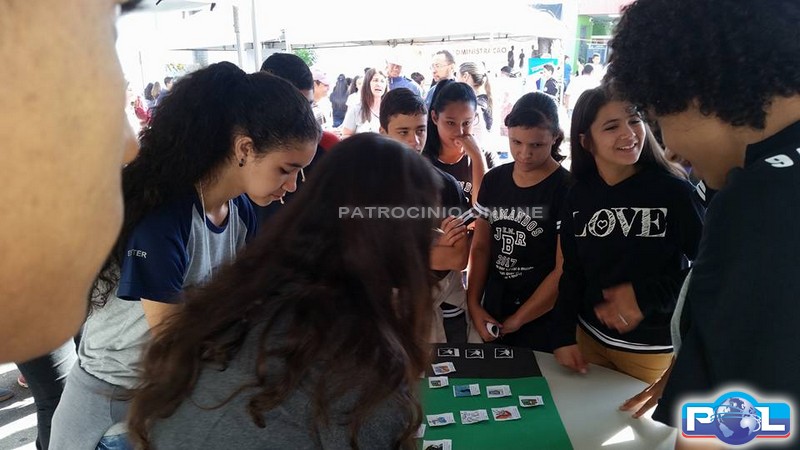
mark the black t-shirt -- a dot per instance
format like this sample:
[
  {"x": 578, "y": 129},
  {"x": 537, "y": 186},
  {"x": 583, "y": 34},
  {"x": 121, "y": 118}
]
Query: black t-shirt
[
  {"x": 742, "y": 300},
  {"x": 523, "y": 226},
  {"x": 462, "y": 171},
  {"x": 642, "y": 230},
  {"x": 550, "y": 87},
  {"x": 523, "y": 233}
]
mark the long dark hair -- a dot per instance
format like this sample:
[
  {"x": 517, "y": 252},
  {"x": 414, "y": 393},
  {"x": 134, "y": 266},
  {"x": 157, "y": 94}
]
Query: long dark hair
[
  {"x": 367, "y": 97},
  {"x": 447, "y": 92},
  {"x": 191, "y": 137},
  {"x": 338, "y": 99},
  {"x": 583, "y": 166},
  {"x": 538, "y": 110},
  {"x": 349, "y": 298}
]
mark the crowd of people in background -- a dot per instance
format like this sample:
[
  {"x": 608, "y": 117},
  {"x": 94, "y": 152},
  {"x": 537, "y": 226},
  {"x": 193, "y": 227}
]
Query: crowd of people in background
[{"x": 223, "y": 315}]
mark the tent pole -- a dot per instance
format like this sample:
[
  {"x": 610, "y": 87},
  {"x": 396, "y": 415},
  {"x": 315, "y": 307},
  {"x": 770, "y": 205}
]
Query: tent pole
[
  {"x": 237, "y": 32},
  {"x": 256, "y": 42}
]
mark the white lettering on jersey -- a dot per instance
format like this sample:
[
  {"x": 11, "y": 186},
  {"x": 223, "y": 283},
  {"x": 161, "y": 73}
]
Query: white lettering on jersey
[
  {"x": 137, "y": 253},
  {"x": 651, "y": 222},
  {"x": 780, "y": 161}
]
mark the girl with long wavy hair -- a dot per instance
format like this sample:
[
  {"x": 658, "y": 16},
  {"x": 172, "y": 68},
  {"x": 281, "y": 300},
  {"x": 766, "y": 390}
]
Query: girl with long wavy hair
[
  {"x": 315, "y": 336},
  {"x": 220, "y": 136},
  {"x": 629, "y": 227}
]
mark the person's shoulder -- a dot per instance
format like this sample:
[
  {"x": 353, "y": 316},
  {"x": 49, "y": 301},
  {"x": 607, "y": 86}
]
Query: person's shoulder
[
  {"x": 667, "y": 181},
  {"x": 768, "y": 183},
  {"x": 174, "y": 215},
  {"x": 503, "y": 171}
]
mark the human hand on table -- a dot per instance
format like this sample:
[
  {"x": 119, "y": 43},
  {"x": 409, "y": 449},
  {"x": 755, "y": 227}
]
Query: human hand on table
[
  {"x": 649, "y": 397},
  {"x": 571, "y": 357},
  {"x": 619, "y": 311},
  {"x": 479, "y": 320}
]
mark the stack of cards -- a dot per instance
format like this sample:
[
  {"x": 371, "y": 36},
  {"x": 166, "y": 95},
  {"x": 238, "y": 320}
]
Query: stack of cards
[
  {"x": 466, "y": 390},
  {"x": 498, "y": 391},
  {"x": 527, "y": 401},
  {"x": 505, "y": 413},
  {"x": 443, "y": 444}
]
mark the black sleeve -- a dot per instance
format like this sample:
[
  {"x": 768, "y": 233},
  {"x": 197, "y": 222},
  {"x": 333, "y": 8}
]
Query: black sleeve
[
  {"x": 743, "y": 297},
  {"x": 571, "y": 286},
  {"x": 658, "y": 295}
]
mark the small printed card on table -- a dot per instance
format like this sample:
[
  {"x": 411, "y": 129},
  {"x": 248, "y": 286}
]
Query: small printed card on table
[
  {"x": 439, "y": 420},
  {"x": 529, "y": 401},
  {"x": 466, "y": 390},
  {"x": 474, "y": 353},
  {"x": 443, "y": 368},
  {"x": 503, "y": 353},
  {"x": 442, "y": 444},
  {"x": 505, "y": 413},
  {"x": 448, "y": 352},
  {"x": 498, "y": 391},
  {"x": 475, "y": 416},
  {"x": 420, "y": 431},
  {"x": 438, "y": 382}
]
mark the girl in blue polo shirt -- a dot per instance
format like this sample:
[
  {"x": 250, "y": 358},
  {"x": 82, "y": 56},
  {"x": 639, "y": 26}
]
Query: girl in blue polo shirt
[{"x": 219, "y": 136}]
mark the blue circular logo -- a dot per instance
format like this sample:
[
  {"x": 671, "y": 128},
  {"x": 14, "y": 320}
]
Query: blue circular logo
[{"x": 737, "y": 421}]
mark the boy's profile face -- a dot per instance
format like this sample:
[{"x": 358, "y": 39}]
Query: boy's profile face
[
  {"x": 705, "y": 141},
  {"x": 410, "y": 130}
]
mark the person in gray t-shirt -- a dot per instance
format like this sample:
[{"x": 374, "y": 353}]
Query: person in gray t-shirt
[
  {"x": 216, "y": 141},
  {"x": 315, "y": 336}
]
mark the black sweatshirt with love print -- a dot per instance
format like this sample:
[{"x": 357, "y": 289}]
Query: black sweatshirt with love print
[{"x": 644, "y": 231}]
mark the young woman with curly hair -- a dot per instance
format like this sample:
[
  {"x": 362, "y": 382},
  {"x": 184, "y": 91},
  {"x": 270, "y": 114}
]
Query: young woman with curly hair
[{"x": 218, "y": 138}]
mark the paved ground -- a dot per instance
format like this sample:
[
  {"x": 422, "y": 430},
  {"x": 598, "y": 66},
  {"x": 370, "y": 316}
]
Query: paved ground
[{"x": 17, "y": 415}]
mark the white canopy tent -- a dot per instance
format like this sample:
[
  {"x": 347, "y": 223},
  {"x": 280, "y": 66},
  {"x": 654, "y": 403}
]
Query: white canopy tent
[{"x": 323, "y": 24}]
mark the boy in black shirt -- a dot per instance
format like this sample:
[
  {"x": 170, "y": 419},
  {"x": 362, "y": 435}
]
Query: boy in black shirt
[{"x": 739, "y": 126}]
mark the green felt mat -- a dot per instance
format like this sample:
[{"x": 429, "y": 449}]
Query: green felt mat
[{"x": 539, "y": 428}]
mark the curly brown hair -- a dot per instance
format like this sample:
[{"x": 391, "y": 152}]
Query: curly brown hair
[
  {"x": 358, "y": 289},
  {"x": 731, "y": 56}
]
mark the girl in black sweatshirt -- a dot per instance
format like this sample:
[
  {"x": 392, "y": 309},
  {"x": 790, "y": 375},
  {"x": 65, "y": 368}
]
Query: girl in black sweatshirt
[{"x": 630, "y": 225}]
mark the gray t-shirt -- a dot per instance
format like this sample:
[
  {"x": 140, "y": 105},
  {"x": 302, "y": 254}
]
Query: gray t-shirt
[
  {"x": 171, "y": 249},
  {"x": 205, "y": 422}
]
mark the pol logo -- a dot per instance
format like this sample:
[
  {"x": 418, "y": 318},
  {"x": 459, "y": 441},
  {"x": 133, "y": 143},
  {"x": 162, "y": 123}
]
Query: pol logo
[{"x": 735, "y": 418}]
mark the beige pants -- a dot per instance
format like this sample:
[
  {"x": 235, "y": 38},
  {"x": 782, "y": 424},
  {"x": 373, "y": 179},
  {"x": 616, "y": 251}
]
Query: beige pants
[
  {"x": 451, "y": 290},
  {"x": 647, "y": 367}
]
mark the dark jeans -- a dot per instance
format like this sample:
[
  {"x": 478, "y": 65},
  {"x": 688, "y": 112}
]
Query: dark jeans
[{"x": 46, "y": 377}]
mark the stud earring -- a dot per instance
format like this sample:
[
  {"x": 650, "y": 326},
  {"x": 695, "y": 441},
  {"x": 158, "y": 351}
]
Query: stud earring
[{"x": 241, "y": 162}]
